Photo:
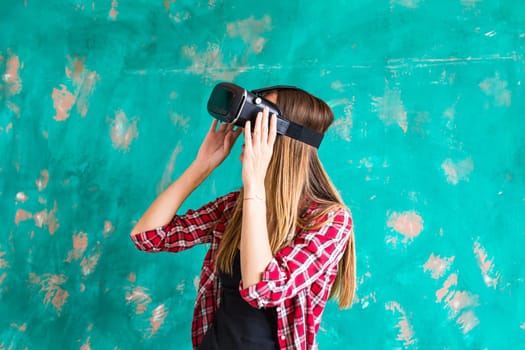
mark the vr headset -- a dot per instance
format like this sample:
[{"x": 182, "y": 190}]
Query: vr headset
[{"x": 233, "y": 104}]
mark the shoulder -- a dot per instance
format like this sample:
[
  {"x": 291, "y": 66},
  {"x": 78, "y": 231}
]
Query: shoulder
[
  {"x": 327, "y": 214},
  {"x": 322, "y": 224}
]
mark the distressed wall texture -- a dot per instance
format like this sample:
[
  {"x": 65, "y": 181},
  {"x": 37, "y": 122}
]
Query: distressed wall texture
[{"x": 103, "y": 103}]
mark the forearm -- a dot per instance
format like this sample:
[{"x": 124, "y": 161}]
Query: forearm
[
  {"x": 165, "y": 206},
  {"x": 255, "y": 248}
]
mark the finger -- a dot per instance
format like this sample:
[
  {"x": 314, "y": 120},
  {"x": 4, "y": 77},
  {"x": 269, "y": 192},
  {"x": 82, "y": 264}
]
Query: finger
[
  {"x": 213, "y": 125},
  {"x": 224, "y": 126},
  {"x": 257, "y": 130},
  {"x": 237, "y": 132},
  {"x": 272, "y": 135},
  {"x": 264, "y": 132},
  {"x": 248, "y": 136},
  {"x": 229, "y": 128},
  {"x": 232, "y": 136}
]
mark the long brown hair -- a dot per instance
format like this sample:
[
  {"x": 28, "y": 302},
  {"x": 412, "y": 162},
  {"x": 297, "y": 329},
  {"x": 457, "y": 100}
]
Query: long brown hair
[{"x": 295, "y": 179}]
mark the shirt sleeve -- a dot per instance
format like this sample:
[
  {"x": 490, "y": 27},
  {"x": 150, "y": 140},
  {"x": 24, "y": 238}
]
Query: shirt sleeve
[
  {"x": 298, "y": 265},
  {"x": 188, "y": 230}
]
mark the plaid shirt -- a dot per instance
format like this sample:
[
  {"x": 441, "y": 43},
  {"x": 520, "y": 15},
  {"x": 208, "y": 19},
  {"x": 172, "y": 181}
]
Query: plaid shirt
[{"x": 296, "y": 282}]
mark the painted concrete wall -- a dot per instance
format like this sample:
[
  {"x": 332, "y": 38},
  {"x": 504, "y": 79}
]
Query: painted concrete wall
[{"x": 102, "y": 104}]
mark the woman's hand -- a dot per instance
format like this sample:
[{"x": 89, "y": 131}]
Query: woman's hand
[
  {"x": 217, "y": 144},
  {"x": 258, "y": 151},
  {"x": 256, "y": 252}
]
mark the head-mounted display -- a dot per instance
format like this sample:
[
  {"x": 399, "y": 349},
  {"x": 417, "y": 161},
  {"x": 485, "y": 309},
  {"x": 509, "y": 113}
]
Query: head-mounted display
[{"x": 231, "y": 103}]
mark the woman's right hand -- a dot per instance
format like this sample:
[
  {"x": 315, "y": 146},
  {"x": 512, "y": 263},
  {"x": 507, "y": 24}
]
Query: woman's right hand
[{"x": 217, "y": 144}]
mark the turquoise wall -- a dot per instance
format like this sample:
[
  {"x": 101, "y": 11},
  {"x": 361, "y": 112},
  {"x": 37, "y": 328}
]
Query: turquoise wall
[{"x": 103, "y": 103}]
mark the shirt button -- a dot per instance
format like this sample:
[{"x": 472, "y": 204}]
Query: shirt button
[
  {"x": 283, "y": 337},
  {"x": 278, "y": 309}
]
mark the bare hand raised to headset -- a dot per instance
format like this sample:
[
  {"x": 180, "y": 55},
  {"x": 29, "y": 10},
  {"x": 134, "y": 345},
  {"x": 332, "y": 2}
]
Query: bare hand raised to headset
[
  {"x": 217, "y": 144},
  {"x": 258, "y": 150}
]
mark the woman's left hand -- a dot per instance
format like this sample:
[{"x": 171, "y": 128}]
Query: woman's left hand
[{"x": 258, "y": 150}]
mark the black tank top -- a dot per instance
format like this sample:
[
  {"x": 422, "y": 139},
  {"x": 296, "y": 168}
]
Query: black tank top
[{"x": 238, "y": 325}]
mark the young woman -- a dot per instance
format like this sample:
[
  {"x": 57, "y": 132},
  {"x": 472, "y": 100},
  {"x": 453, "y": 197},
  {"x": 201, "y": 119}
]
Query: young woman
[{"x": 280, "y": 247}]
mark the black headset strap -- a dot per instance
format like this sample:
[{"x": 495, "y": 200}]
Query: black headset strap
[
  {"x": 298, "y": 132},
  {"x": 275, "y": 88},
  {"x": 290, "y": 128}
]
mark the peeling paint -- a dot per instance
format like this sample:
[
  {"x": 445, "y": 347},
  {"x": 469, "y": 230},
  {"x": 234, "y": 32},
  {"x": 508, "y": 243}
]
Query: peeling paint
[
  {"x": 157, "y": 319},
  {"x": 80, "y": 242},
  {"x": 47, "y": 218},
  {"x": 140, "y": 298},
  {"x": 405, "y": 330},
  {"x": 210, "y": 63},
  {"x": 437, "y": 265},
  {"x": 390, "y": 108},
  {"x": 22, "y": 215},
  {"x": 63, "y": 100},
  {"x": 343, "y": 126},
  {"x": 42, "y": 182},
  {"x": 51, "y": 285},
  {"x": 12, "y": 75},
  {"x": 497, "y": 88},
  {"x": 113, "y": 12},
  {"x": 457, "y": 171},
  {"x": 76, "y": 92},
  {"x": 123, "y": 131},
  {"x": 409, "y": 224},
  {"x": 490, "y": 277},
  {"x": 167, "y": 176},
  {"x": 250, "y": 30},
  {"x": 21, "y": 197}
]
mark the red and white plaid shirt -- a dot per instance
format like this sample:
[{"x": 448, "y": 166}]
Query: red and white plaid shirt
[{"x": 297, "y": 281}]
